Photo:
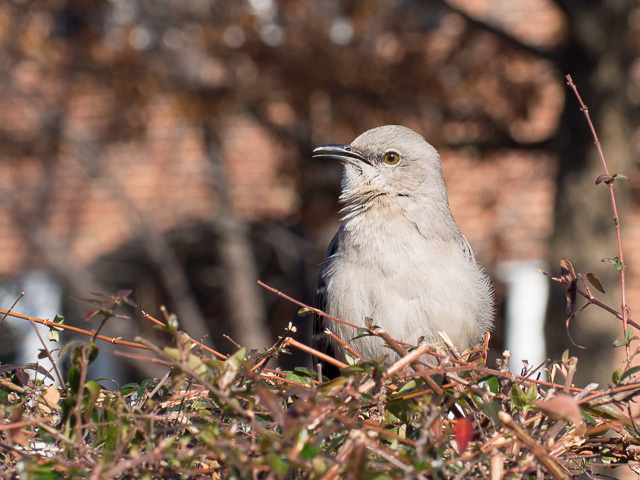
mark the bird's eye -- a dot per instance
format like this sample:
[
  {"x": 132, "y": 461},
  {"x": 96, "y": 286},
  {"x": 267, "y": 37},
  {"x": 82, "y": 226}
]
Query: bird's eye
[{"x": 391, "y": 158}]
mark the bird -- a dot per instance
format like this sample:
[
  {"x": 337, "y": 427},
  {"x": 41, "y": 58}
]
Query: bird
[{"x": 398, "y": 260}]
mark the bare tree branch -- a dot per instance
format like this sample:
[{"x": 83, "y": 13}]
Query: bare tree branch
[{"x": 501, "y": 34}]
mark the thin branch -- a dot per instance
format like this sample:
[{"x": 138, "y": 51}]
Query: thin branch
[
  {"x": 498, "y": 32},
  {"x": 616, "y": 218},
  {"x": 592, "y": 299},
  {"x": 49, "y": 323},
  {"x": 46, "y": 349}
]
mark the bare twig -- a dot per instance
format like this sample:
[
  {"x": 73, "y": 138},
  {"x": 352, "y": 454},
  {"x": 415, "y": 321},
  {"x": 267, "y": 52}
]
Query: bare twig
[
  {"x": 12, "y": 307},
  {"x": 616, "y": 218},
  {"x": 49, "y": 323},
  {"x": 48, "y": 352}
]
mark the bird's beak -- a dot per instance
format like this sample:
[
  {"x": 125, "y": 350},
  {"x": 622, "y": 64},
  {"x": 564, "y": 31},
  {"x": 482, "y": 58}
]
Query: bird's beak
[{"x": 344, "y": 153}]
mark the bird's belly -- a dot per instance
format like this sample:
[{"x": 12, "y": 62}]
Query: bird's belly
[{"x": 429, "y": 294}]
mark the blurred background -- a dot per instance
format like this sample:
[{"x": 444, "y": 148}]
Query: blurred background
[{"x": 164, "y": 146}]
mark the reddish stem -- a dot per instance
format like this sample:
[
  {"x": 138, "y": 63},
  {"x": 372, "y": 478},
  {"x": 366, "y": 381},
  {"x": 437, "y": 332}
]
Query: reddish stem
[{"x": 616, "y": 219}]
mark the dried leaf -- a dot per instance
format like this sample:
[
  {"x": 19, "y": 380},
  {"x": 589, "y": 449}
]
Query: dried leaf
[
  {"x": 21, "y": 376},
  {"x": 567, "y": 270},
  {"x": 572, "y": 292},
  {"x": 595, "y": 281},
  {"x": 561, "y": 406},
  {"x": 51, "y": 397}
]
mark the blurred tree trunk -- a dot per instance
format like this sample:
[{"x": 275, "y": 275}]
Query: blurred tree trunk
[
  {"x": 596, "y": 58},
  {"x": 246, "y": 312},
  {"x": 156, "y": 247}
]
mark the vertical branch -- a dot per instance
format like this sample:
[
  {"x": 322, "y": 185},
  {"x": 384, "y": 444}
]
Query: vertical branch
[
  {"x": 156, "y": 246},
  {"x": 246, "y": 311},
  {"x": 616, "y": 218}
]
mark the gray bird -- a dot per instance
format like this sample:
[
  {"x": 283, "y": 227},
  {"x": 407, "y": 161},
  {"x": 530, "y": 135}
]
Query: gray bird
[{"x": 398, "y": 257}]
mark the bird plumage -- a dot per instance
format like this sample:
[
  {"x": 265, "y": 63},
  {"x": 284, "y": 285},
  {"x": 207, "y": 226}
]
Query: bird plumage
[{"x": 398, "y": 257}]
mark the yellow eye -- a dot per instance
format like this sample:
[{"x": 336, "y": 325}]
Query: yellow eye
[{"x": 391, "y": 158}]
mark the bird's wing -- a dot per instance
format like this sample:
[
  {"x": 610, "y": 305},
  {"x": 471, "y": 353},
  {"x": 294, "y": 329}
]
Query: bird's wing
[{"x": 320, "y": 324}]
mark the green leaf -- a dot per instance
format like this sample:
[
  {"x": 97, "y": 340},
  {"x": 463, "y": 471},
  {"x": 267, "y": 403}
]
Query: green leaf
[
  {"x": 588, "y": 418},
  {"x": 94, "y": 351},
  {"x": 171, "y": 352},
  {"x": 74, "y": 379},
  {"x": 628, "y": 373},
  {"x": 402, "y": 409},
  {"x": 492, "y": 383},
  {"x": 619, "y": 342},
  {"x": 76, "y": 356},
  {"x": 626, "y": 340},
  {"x": 279, "y": 464},
  {"x": 128, "y": 388},
  {"x": 306, "y": 372},
  {"x": 518, "y": 397},
  {"x": 66, "y": 406},
  {"x": 411, "y": 386},
  {"x": 196, "y": 364},
  {"x": 310, "y": 451},
  {"x": 491, "y": 410},
  {"x": 173, "y": 323},
  {"x": 238, "y": 357},
  {"x": 92, "y": 390},
  {"x": 300, "y": 377},
  {"x": 53, "y": 335},
  {"x": 304, "y": 312},
  {"x": 532, "y": 394},
  {"x": 616, "y": 376},
  {"x": 628, "y": 335},
  {"x": 68, "y": 347},
  {"x": 614, "y": 261},
  {"x": 41, "y": 472}
]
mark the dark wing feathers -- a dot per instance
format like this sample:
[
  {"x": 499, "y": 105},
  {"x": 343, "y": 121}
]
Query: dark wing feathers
[{"x": 320, "y": 324}]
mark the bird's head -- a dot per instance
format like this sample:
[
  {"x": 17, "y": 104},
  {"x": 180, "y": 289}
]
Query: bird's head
[{"x": 390, "y": 161}]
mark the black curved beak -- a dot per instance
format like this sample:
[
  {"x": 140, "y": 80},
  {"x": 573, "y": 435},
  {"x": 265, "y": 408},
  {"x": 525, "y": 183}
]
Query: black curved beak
[{"x": 343, "y": 153}]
